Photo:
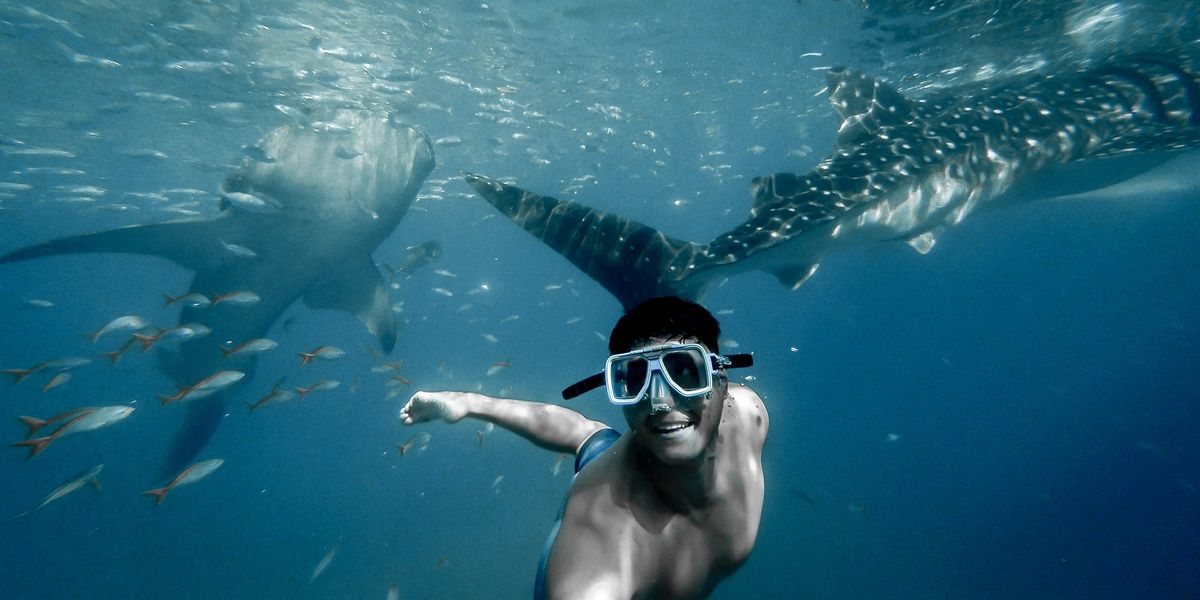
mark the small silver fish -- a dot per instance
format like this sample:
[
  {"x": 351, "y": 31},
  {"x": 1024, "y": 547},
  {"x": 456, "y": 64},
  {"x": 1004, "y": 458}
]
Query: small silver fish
[
  {"x": 417, "y": 257},
  {"x": 238, "y": 251},
  {"x": 191, "y": 474},
  {"x": 191, "y": 300},
  {"x": 253, "y": 346},
  {"x": 205, "y": 387},
  {"x": 65, "y": 364},
  {"x": 324, "y": 384},
  {"x": 277, "y": 395},
  {"x": 90, "y": 476},
  {"x": 117, "y": 324},
  {"x": 324, "y": 352},
  {"x": 56, "y": 381},
  {"x": 324, "y": 564},
  {"x": 419, "y": 441},
  {"x": 237, "y": 297},
  {"x": 74, "y": 421},
  {"x": 187, "y": 331},
  {"x": 250, "y": 202}
]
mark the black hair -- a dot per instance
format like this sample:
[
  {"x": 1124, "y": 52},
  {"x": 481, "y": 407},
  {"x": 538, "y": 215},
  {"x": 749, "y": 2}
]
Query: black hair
[{"x": 664, "y": 317}]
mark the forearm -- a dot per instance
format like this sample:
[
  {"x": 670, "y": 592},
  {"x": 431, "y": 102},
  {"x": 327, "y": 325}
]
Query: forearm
[{"x": 546, "y": 425}]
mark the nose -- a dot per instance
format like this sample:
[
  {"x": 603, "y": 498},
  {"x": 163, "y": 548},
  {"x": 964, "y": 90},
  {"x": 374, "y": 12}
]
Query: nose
[{"x": 659, "y": 394}]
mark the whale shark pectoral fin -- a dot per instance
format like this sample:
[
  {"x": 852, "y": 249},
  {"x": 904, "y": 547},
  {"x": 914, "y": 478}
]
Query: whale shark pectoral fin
[
  {"x": 359, "y": 290},
  {"x": 864, "y": 105},
  {"x": 793, "y": 277},
  {"x": 923, "y": 242},
  {"x": 632, "y": 261},
  {"x": 189, "y": 243},
  {"x": 203, "y": 417}
]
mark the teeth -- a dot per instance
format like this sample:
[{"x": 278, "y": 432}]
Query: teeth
[{"x": 673, "y": 428}]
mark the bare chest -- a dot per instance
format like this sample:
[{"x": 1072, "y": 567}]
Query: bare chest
[{"x": 660, "y": 553}]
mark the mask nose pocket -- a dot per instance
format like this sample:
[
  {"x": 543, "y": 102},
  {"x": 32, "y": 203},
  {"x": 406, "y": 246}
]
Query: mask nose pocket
[{"x": 659, "y": 394}]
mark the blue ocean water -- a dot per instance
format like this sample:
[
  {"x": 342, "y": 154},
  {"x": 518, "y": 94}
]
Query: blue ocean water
[{"x": 1010, "y": 415}]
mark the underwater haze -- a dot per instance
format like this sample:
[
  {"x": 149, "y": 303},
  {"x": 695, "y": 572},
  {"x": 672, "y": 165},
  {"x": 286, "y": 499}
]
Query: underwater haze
[{"x": 1012, "y": 414}]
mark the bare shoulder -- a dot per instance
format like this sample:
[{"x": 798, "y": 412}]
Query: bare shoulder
[
  {"x": 749, "y": 410},
  {"x": 585, "y": 560}
]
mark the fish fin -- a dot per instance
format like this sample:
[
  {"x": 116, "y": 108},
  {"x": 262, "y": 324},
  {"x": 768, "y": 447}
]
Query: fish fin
[
  {"x": 96, "y": 485},
  {"x": 33, "y": 423},
  {"x": 359, "y": 290},
  {"x": 923, "y": 242},
  {"x": 159, "y": 494},
  {"x": 146, "y": 340},
  {"x": 793, "y": 277},
  {"x": 200, "y": 423},
  {"x": 36, "y": 445},
  {"x": 165, "y": 399},
  {"x": 188, "y": 243},
  {"x": 864, "y": 104},
  {"x": 18, "y": 375},
  {"x": 634, "y": 262}
]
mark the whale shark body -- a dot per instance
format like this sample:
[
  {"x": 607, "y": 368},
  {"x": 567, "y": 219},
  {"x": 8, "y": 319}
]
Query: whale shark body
[
  {"x": 310, "y": 213},
  {"x": 901, "y": 170}
]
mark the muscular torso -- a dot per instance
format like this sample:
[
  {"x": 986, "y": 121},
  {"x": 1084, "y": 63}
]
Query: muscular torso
[{"x": 621, "y": 539}]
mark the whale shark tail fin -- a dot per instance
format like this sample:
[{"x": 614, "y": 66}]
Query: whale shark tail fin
[
  {"x": 188, "y": 243},
  {"x": 634, "y": 262}
]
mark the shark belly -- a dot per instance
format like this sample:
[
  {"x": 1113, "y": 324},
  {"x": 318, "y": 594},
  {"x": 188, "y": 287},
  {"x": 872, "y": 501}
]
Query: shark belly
[{"x": 320, "y": 212}]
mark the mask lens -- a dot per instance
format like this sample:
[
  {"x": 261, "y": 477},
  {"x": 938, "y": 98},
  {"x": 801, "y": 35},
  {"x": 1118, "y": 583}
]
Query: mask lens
[
  {"x": 628, "y": 376},
  {"x": 686, "y": 368}
]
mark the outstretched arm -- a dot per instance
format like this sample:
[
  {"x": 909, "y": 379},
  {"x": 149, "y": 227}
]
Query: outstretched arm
[{"x": 546, "y": 425}]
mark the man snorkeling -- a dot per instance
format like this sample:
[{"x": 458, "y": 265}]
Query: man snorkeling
[{"x": 668, "y": 509}]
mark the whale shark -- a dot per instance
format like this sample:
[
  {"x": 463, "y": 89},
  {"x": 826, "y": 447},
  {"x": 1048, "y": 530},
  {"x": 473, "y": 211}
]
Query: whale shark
[
  {"x": 901, "y": 169},
  {"x": 306, "y": 208}
]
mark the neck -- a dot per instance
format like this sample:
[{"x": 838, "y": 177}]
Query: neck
[{"x": 684, "y": 488}]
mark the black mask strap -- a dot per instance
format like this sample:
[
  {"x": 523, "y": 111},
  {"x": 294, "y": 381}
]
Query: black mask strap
[{"x": 580, "y": 387}]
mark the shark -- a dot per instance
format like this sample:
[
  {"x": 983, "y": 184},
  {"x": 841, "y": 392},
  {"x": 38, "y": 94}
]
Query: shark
[
  {"x": 306, "y": 208},
  {"x": 902, "y": 169}
]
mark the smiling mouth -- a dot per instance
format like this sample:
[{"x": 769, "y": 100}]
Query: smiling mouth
[{"x": 672, "y": 429}]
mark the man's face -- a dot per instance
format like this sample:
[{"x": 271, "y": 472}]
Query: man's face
[{"x": 675, "y": 429}]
